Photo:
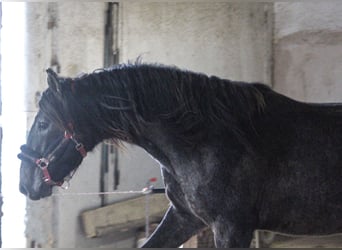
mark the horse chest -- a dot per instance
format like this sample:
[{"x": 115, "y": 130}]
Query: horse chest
[
  {"x": 193, "y": 171},
  {"x": 188, "y": 186},
  {"x": 186, "y": 196},
  {"x": 188, "y": 174}
]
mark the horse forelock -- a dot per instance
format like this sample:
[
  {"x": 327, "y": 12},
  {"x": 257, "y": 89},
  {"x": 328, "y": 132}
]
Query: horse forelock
[{"x": 121, "y": 100}]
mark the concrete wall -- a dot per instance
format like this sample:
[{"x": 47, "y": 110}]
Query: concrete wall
[
  {"x": 230, "y": 40},
  {"x": 308, "y": 50}
]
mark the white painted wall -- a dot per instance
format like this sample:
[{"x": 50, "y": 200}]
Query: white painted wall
[
  {"x": 308, "y": 50},
  {"x": 230, "y": 40}
]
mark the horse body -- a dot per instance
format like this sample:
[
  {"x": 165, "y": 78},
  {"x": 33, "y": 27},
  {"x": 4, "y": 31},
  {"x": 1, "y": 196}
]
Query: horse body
[
  {"x": 302, "y": 145},
  {"x": 235, "y": 157},
  {"x": 288, "y": 181}
]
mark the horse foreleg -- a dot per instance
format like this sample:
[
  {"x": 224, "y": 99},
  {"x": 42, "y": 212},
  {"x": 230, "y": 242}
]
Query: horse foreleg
[{"x": 175, "y": 228}]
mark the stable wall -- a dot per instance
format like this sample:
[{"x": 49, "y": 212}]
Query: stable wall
[
  {"x": 308, "y": 50},
  {"x": 230, "y": 40}
]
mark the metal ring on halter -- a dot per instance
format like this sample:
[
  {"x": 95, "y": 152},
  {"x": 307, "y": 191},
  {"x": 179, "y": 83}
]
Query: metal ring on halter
[{"x": 42, "y": 163}]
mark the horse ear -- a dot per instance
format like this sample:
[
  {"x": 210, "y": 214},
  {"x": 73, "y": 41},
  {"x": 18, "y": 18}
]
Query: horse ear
[{"x": 53, "y": 80}]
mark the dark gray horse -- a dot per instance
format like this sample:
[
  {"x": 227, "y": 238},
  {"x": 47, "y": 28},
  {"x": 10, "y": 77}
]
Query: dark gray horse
[{"x": 234, "y": 156}]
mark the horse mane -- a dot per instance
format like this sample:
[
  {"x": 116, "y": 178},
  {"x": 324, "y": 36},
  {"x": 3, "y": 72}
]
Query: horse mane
[{"x": 120, "y": 101}]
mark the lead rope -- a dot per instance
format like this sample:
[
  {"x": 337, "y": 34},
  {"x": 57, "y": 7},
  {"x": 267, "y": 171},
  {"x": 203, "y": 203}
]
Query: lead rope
[
  {"x": 146, "y": 191},
  {"x": 100, "y": 193}
]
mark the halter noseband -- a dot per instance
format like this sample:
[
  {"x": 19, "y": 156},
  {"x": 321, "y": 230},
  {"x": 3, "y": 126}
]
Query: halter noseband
[{"x": 43, "y": 162}]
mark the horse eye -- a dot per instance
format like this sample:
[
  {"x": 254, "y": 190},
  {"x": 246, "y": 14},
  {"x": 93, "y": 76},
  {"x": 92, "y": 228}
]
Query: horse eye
[{"x": 42, "y": 125}]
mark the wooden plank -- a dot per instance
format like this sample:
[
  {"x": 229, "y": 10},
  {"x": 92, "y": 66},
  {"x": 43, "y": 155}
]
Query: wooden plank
[{"x": 123, "y": 215}]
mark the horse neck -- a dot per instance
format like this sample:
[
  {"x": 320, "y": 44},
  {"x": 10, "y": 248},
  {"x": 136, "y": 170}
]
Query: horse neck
[
  {"x": 103, "y": 107},
  {"x": 129, "y": 99}
]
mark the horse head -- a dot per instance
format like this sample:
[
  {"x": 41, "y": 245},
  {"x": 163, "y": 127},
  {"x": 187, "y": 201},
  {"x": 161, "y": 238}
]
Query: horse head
[{"x": 53, "y": 149}]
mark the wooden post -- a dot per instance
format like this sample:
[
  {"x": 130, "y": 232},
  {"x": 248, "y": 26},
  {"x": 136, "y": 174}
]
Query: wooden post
[{"x": 203, "y": 239}]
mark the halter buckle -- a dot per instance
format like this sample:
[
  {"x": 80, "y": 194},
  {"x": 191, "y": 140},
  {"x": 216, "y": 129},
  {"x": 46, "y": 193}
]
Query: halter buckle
[
  {"x": 42, "y": 163},
  {"x": 80, "y": 148}
]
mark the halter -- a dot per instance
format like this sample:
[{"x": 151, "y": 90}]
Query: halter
[{"x": 43, "y": 162}]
